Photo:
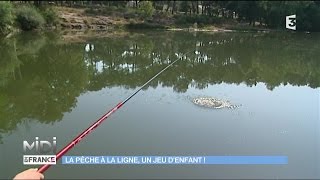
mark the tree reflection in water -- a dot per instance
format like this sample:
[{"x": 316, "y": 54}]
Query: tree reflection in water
[{"x": 40, "y": 77}]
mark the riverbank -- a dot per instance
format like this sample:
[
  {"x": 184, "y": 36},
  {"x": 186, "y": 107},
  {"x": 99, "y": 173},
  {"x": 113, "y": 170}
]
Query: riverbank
[
  {"x": 111, "y": 19},
  {"x": 95, "y": 19}
]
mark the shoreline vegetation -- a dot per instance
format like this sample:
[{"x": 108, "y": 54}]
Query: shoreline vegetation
[{"x": 213, "y": 16}]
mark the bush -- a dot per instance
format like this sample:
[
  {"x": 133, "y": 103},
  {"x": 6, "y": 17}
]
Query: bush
[
  {"x": 6, "y": 18},
  {"x": 28, "y": 18},
  {"x": 146, "y": 8},
  {"x": 130, "y": 13},
  {"x": 50, "y": 16}
]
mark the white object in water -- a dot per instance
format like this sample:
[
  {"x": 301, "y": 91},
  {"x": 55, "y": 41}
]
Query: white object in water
[
  {"x": 87, "y": 48},
  {"x": 213, "y": 103}
]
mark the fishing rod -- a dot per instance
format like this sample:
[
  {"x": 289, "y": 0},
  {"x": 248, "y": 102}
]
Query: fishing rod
[{"x": 76, "y": 140}]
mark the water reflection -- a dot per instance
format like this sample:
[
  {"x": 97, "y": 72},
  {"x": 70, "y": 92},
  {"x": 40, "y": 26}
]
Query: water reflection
[
  {"x": 40, "y": 80},
  {"x": 41, "y": 76}
]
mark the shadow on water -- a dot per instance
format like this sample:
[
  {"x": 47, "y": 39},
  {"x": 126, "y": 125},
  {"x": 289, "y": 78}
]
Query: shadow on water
[{"x": 42, "y": 76}]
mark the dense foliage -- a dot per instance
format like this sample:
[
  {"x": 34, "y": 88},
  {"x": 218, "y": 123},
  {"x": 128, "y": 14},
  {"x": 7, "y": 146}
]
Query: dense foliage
[
  {"x": 6, "y": 18},
  {"x": 29, "y": 18},
  {"x": 50, "y": 16},
  {"x": 25, "y": 16},
  {"x": 146, "y": 8}
]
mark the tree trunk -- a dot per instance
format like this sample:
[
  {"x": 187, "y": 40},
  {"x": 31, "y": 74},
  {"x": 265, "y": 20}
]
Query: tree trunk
[
  {"x": 197, "y": 7},
  {"x": 168, "y": 3},
  {"x": 208, "y": 10},
  {"x": 173, "y": 6},
  {"x": 192, "y": 7},
  {"x": 202, "y": 7}
]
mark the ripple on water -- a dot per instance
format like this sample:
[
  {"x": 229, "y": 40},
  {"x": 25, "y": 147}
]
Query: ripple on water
[{"x": 214, "y": 103}]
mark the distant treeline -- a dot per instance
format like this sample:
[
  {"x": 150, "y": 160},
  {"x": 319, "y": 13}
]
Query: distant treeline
[{"x": 263, "y": 13}]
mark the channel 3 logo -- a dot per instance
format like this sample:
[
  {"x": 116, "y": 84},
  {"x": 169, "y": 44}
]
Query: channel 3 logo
[{"x": 291, "y": 22}]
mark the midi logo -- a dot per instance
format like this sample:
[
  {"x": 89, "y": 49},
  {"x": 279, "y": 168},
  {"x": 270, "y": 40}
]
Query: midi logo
[
  {"x": 43, "y": 152},
  {"x": 291, "y": 22}
]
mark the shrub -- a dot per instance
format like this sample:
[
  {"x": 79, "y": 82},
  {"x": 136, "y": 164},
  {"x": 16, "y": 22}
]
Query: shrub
[
  {"x": 146, "y": 8},
  {"x": 6, "y": 18},
  {"x": 130, "y": 13},
  {"x": 50, "y": 16},
  {"x": 28, "y": 18}
]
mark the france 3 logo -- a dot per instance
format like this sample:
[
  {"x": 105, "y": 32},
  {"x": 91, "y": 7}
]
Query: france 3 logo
[
  {"x": 291, "y": 22},
  {"x": 40, "y": 152}
]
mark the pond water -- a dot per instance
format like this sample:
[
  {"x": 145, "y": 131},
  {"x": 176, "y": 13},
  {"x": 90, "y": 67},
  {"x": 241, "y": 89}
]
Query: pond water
[{"x": 52, "y": 87}]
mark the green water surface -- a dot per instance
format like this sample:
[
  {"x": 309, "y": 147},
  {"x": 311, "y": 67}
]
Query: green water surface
[{"x": 53, "y": 87}]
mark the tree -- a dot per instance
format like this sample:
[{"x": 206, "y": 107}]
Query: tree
[{"x": 146, "y": 8}]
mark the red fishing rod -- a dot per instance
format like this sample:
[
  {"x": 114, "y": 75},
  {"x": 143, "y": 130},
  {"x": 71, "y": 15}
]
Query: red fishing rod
[{"x": 76, "y": 140}]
